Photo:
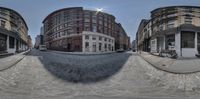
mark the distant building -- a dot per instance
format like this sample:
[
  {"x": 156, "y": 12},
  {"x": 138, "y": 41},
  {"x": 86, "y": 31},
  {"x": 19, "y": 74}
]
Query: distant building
[
  {"x": 37, "y": 41},
  {"x": 143, "y": 33},
  {"x": 42, "y": 36},
  {"x": 78, "y": 30},
  {"x": 30, "y": 45},
  {"x": 133, "y": 45},
  {"x": 13, "y": 31},
  {"x": 171, "y": 28}
]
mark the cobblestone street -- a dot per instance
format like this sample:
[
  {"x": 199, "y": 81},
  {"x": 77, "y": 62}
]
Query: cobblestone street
[{"x": 52, "y": 75}]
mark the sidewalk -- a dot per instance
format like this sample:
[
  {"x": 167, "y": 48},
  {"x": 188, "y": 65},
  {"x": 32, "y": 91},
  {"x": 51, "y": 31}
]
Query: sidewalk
[
  {"x": 177, "y": 66},
  {"x": 9, "y": 61},
  {"x": 81, "y": 53}
]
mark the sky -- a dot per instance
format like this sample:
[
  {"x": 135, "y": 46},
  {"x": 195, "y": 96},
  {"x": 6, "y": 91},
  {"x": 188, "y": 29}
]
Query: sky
[{"x": 127, "y": 12}]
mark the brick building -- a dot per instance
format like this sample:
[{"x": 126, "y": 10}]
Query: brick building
[{"x": 78, "y": 30}]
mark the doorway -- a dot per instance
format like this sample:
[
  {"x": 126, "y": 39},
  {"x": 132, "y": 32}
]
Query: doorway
[{"x": 3, "y": 46}]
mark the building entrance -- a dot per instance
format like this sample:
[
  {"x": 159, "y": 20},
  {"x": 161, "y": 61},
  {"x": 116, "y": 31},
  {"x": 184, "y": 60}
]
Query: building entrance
[{"x": 3, "y": 45}]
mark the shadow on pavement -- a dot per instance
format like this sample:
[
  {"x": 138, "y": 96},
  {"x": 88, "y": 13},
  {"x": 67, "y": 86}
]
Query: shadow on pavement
[{"x": 82, "y": 69}]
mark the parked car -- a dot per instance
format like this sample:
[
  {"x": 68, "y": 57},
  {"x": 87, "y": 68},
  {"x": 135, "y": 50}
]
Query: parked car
[
  {"x": 42, "y": 48},
  {"x": 120, "y": 50}
]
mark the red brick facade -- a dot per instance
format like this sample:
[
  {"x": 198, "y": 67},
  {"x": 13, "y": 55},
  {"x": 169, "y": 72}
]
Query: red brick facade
[{"x": 63, "y": 28}]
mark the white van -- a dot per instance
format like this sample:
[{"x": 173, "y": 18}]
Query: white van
[{"x": 42, "y": 48}]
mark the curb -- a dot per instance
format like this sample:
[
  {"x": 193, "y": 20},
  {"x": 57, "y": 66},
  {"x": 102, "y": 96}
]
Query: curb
[
  {"x": 166, "y": 70},
  {"x": 81, "y": 54},
  {"x": 14, "y": 63}
]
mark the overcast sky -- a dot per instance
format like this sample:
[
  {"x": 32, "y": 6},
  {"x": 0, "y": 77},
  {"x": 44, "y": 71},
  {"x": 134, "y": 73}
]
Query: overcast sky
[{"x": 127, "y": 12}]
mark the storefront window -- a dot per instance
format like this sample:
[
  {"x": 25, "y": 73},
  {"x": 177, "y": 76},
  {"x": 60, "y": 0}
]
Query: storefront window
[
  {"x": 170, "y": 42},
  {"x": 11, "y": 42},
  {"x": 187, "y": 39},
  {"x": 198, "y": 40}
]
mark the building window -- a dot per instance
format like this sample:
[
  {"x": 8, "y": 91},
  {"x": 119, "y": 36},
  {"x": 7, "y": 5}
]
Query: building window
[
  {"x": 87, "y": 37},
  {"x": 94, "y": 19},
  {"x": 86, "y": 44},
  {"x": 93, "y": 37},
  {"x": 187, "y": 39},
  {"x": 87, "y": 20},
  {"x": 105, "y": 47},
  {"x": 65, "y": 32},
  {"x": 170, "y": 24},
  {"x": 100, "y": 46},
  {"x": 105, "y": 39},
  {"x": 94, "y": 28},
  {"x": 78, "y": 30},
  {"x": 188, "y": 20},
  {"x": 11, "y": 42},
  {"x": 161, "y": 27},
  {"x": 94, "y": 46},
  {"x": 100, "y": 22},
  {"x": 3, "y": 23},
  {"x": 62, "y": 33},
  {"x": 109, "y": 47},
  {"x": 100, "y": 38}
]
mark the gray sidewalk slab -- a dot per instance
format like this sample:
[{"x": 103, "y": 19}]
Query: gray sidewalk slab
[
  {"x": 177, "y": 66},
  {"x": 9, "y": 61}
]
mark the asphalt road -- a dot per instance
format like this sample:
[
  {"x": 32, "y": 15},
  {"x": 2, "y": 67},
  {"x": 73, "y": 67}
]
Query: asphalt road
[{"x": 49, "y": 75}]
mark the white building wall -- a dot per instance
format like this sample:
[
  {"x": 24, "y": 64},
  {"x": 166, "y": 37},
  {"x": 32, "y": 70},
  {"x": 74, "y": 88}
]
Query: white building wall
[
  {"x": 154, "y": 45},
  {"x": 178, "y": 43},
  {"x": 97, "y": 41}
]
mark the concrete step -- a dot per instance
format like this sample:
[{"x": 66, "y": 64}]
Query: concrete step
[{"x": 2, "y": 55}]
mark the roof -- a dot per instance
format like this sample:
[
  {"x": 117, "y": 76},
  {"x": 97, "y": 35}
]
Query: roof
[
  {"x": 60, "y": 11},
  {"x": 180, "y": 6},
  {"x": 81, "y": 8}
]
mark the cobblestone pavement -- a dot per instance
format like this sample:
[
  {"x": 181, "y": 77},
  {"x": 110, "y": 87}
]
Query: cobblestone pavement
[{"x": 46, "y": 75}]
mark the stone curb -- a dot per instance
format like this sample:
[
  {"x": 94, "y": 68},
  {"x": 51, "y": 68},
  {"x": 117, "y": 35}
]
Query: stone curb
[
  {"x": 9, "y": 65},
  {"x": 165, "y": 69},
  {"x": 82, "y": 54}
]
